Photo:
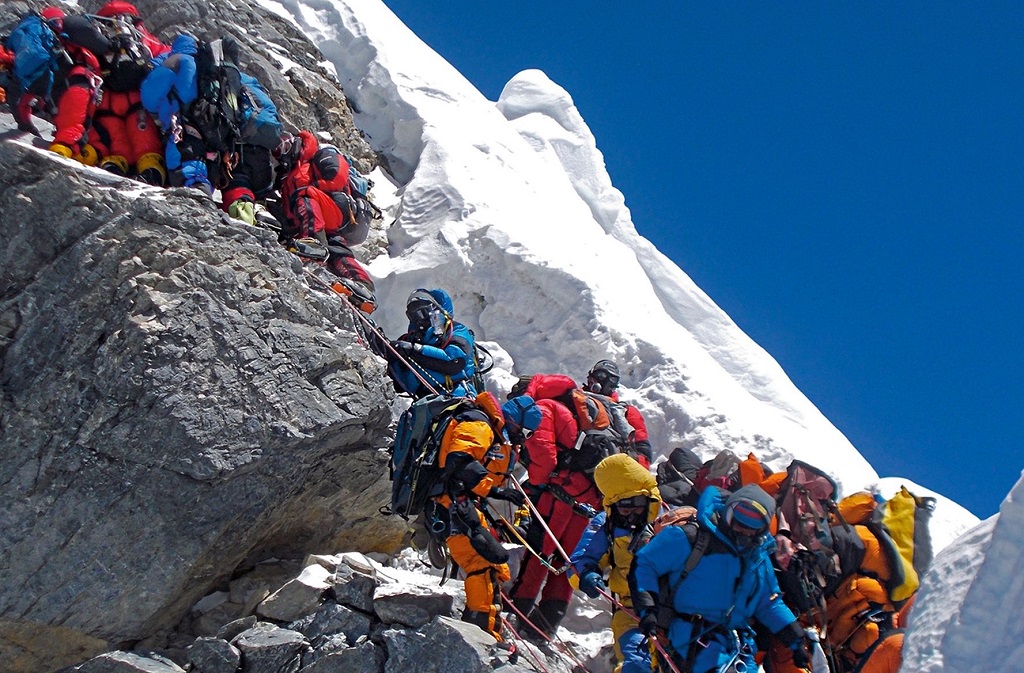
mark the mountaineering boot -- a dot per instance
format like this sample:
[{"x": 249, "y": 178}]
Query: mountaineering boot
[
  {"x": 549, "y": 614},
  {"x": 357, "y": 294},
  {"x": 266, "y": 219},
  {"x": 308, "y": 248},
  {"x": 115, "y": 164},
  {"x": 523, "y": 606}
]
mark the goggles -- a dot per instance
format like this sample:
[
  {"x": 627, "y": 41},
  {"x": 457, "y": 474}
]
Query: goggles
[
  {"x": 637, "y": 502},
  {"x": 602, "y": 377},
  {"x": 419, "y": 312}
]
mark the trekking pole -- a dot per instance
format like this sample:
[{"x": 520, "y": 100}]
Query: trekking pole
[
  {"x": 543, "y": 523},
  {"x": 629, "y": 613},
  {"x": 373, "y": 328},
  {"x": 562, "y": 647}
]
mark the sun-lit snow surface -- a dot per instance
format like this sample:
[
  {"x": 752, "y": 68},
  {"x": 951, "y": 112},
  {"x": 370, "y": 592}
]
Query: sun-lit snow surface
[
  {"x": 510, "y": 208},
  {"x": 969, "y": 615}
]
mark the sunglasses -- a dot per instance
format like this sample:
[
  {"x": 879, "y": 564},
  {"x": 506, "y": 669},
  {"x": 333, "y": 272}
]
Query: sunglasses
[{"x": 601, "y": 376}]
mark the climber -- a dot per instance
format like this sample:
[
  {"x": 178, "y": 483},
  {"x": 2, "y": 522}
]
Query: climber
[
  {"x": 436, "y": 347},
  {"x": 167, "y": 92},
  {"x": 475, "y": 457},
  {"x": 603, "y": 378},
  {"x": 716, "y": 583},
  {"x": 566, "y": 498},
  {"x": 124, "y": 133},
  {"x": 631, "y": 502},
  {"x": 315, "y": 225}
]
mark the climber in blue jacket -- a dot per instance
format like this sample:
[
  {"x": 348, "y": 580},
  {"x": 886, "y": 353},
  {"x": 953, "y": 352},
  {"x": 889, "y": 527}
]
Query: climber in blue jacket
[
  {"x": 707, "y": 612},
  {"x": 436, "y": 348}
]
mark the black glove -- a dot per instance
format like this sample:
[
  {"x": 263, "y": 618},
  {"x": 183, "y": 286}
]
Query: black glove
[
  {"x": 406, "y": 347},
  {"x": 508, "y": 494},
  {"x": 795, "y": 638},
  {"x": 592, "y": 584},
  {"x": 801, "y": 657},
  {"x": 649, "y": 623}
]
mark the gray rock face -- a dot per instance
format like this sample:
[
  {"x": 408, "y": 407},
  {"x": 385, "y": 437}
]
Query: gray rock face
[
  {"x": 410, "y": 606},
  {"x": 268, "y": 649},
  {"x": 174, "y": 400},
  {"x": 213, "y": 655}
]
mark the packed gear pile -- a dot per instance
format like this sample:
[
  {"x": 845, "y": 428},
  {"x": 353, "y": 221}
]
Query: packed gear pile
[
  {"x": 186, "y": 114},
  {"x": 717, "y": 565}
]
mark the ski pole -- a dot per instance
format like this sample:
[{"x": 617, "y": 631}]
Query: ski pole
[
  {"x": 629, "y": 613},
  {"x": 543, "y": 523}
]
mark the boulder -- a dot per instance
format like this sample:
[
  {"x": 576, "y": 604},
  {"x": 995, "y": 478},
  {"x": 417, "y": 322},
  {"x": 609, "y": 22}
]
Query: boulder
[
  {"x": 267, "y": 648},
  {"x": 363, "y": 658},
  {"x": 177, "y": 400},
  {"x": 442, "y": 646},
  {"x": 128, "y": 662},
  {"x": 332, "y": 619},
  {"x": 410, "y": 605},
  {"x": 297, "y": 597},
  {"x": 213, "y": 655}
]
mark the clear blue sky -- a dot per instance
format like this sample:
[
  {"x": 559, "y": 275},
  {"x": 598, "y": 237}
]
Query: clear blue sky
[{"x": 845, "y": 180}]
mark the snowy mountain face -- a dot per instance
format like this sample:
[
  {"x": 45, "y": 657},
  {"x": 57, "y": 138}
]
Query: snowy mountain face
[{"x": 509, "y": 207}]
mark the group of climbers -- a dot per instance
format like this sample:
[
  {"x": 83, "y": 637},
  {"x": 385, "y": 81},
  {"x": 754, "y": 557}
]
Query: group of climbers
[
  {"x": 695, "y": 590},
  {"x": 704, "y": 564},
  {"x": 186, "y": 114}
]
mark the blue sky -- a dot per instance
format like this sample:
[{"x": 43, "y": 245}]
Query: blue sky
[{"x": 845, "y": 180}]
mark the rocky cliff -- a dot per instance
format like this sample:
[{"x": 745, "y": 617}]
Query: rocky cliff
[{"x": 177, "y": 402}]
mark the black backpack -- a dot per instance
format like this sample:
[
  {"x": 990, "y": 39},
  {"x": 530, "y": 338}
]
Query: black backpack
[
  {"x": 415, "y": 474},
  {"x": 217, "y": 110},
  {"x": 129, "y": 59}
]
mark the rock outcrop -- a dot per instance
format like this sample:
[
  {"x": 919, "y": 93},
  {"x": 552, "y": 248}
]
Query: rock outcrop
[{"x": 175, "y": 402}]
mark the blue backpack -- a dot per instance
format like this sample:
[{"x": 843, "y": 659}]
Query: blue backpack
[
  {"x": 260, "y": 124},
  {"x": 35, "y": 49},
  {"x": 415, "y": 474}
]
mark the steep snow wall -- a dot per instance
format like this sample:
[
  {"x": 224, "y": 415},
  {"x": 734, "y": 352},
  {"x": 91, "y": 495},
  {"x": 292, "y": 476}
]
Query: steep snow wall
[
  {"x": 510, "y": 208},
  {"x": 969, "y": 615}
]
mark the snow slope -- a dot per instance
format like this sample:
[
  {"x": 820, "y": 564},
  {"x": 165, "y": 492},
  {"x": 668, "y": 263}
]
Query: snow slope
[
  {"x": 969, "y": 614},
  {"x": 510, "y": 208}
]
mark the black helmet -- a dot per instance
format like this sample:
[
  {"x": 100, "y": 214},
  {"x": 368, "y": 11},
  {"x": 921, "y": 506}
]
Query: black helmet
[{"x": 603, "y": 377}]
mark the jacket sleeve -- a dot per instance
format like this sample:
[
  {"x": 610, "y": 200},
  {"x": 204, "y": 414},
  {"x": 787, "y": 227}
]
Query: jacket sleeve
[
  {"x": 542, "y": 449},
  {"x": 590, "y": 552},
  {"x": 448, "y": 361},
  {"x": 665, "y": 554},
  {"x": 771, "y": 610},
  {"x": 640, "y": 438}
]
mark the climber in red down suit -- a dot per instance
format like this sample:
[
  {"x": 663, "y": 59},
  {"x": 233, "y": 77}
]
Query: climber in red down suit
[{"x": 125, "y": 135}]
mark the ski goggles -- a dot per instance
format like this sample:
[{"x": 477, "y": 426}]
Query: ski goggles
[
  {"x": 419, "y": 312},
  {"x": 602, "y": 377},
  {"x": 636, "y": 503}
]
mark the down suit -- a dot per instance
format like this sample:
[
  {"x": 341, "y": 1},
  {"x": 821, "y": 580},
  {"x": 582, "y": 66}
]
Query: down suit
[{"x": 713, "y": 605}]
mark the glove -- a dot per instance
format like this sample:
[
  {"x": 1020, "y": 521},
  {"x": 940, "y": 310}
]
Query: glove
[
  {"x": 592, "y": 584},
  {"x": 797, "y": 639},
  {"x": 801, "y": 658},
  {"x": 406, "y": 346},
  {"x": 649, "y": 624},
  {"x": 508, "y": 494}
]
